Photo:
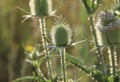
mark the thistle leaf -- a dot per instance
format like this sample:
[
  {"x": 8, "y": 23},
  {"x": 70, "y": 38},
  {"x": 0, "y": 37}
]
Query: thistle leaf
[
  {"x": 77, "y": 63},
  {"x": 97, "y": 74}
]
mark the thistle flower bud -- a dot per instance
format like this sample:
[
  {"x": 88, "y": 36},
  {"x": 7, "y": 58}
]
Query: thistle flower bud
[
  {"x": 61, "y": 33},
  {"x": 108, "y": 26},
  {"x": 40, "y": 7}
]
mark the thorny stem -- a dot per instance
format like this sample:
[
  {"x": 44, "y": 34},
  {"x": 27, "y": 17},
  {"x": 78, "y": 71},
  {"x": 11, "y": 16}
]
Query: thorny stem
[
  {"x": 97, "y": 45},
  {"x": 38, "y": 71},
  {"x": 43, "y": 33},
  {"x": 112, "y": 54},
  {"x": 113, "y": 58},
  {"x": 63, "y": 62},
  {"x": 94, "y": 36}
]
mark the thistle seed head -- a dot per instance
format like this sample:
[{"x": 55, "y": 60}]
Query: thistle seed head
[
  {"x": 107, "y": 21},
  {"x": 61, "y": 33},
  {"x": 40, "y": 7},
  {"x": 108, "y": 26}
]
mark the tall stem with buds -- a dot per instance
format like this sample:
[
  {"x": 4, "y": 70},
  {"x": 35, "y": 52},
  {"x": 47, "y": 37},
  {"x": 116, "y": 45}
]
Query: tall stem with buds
[
  {"x": 61, "y": 28},
  {"x": 40, "y": 9},
  {"x": 46, "y": 51},
  {"x": 97, "y": 45},
  {"x": 90, "y": 11}
]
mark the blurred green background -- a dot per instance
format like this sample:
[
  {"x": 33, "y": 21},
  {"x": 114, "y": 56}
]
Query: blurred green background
[{"x": 13, "y": 34}]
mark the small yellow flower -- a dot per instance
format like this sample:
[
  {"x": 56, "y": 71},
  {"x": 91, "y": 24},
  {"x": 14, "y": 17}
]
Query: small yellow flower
[{"x": 29, "y": 48}]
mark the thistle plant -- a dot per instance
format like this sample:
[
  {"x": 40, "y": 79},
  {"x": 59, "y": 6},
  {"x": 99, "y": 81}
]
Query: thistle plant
[
  {"x": 108, "y": 27},
  {"x": 91, "y": 8},
  {"x": 61, "y": 28},
  {"x": 41, "y": 8}
]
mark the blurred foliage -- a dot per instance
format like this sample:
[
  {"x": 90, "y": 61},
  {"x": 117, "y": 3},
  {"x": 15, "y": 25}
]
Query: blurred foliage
[{"x": 13, "y": 34}]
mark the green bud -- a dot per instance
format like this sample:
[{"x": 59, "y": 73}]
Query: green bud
[
  {"x": 40, "y": 7},
  {"x": 61, "y": 34}
]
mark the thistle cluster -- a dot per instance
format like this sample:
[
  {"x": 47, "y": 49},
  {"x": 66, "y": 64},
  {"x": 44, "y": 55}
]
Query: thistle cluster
[
  {"x": 60, "y": 32},
  {"x": 108, "y": 27}
]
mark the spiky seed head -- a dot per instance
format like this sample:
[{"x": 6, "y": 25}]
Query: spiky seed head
[
  {"x": 61, "y": 33},
  {"x": 108, "y": 25},
  {"x": 40, "y": 7}
]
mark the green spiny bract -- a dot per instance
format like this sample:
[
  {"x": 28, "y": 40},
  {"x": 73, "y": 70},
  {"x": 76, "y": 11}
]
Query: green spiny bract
[
  {"x": 40, "y": 7},
  {"x": 61, "y": 33}
]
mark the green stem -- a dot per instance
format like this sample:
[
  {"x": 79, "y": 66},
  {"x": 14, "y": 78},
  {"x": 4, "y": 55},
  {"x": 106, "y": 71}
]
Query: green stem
[
  {"x": 100, "y": 57},
  {"x": 113, "y": 59},
  {"x": 38, "y": 72},
  {"x": 97, "y": 45},
  {"x": 63, "y": 62},
  {"x": 44, "y": 41},
  {"x": 112, "y": 54}
]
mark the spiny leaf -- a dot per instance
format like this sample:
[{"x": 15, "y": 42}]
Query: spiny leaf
[
  {"x": 77, "y": 63},
  {"x": 97, "y": 74}
]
